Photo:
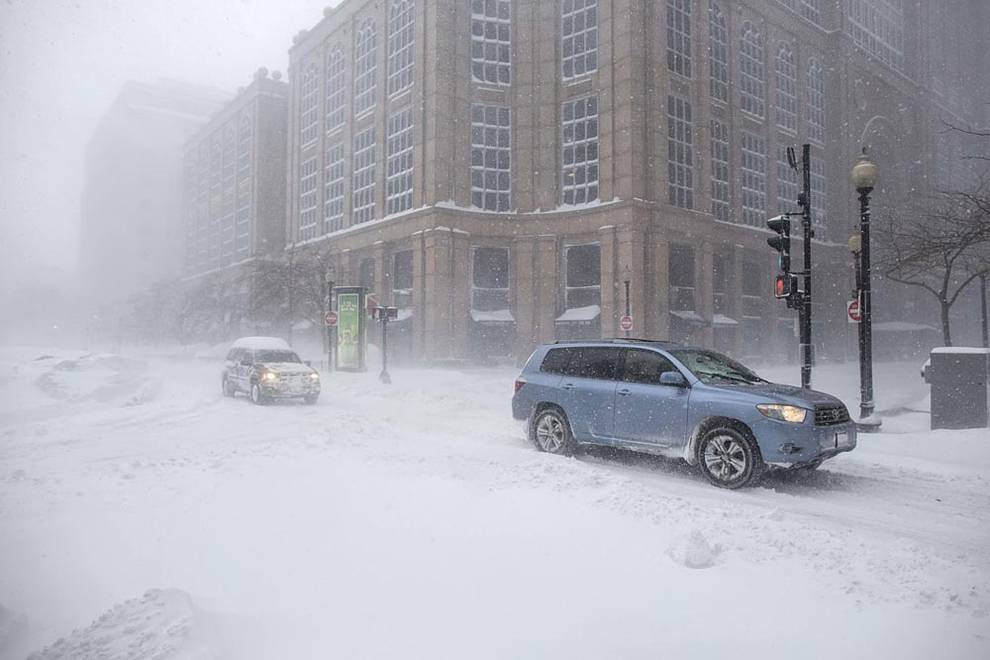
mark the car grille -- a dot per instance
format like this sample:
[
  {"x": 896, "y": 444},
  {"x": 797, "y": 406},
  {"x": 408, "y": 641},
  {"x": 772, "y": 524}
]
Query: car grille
[{"x": 831, "y": 415}]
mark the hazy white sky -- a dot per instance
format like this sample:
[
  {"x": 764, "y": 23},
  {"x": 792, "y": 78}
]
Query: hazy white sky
[{"x": 61, "y": 65}]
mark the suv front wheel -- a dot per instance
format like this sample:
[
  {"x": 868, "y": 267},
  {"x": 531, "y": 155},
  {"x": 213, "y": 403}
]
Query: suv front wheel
[
  {"x": 729, "y": 457},
  {"x": 550, "y": 432},
  {"x": 257, "y": 395}
]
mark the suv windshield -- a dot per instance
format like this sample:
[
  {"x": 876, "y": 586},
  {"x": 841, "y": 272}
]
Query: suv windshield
[
  {"x": 276, "y": 356},
  {"x": 711, "y": 367}
]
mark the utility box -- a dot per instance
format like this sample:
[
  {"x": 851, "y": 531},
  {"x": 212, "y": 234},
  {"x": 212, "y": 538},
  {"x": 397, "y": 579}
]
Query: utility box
[{"x": 960, "y": 394}]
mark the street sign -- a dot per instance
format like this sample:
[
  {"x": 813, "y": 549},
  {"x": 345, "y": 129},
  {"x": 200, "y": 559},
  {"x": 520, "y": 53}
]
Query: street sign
[
  {"x": 854, "y": 312},
  {"x": 626, "y": 323},
  {"x": 330, "y": 318}
]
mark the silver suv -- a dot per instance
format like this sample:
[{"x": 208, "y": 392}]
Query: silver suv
[{"x": 266, "y": 369}]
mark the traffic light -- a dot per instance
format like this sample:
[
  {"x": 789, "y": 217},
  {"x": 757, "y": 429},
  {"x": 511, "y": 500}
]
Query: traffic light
[
  {"x": 785, "y": 286},
  {"x": 781, "y": 225}
]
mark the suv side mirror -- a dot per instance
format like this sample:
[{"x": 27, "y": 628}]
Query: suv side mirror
[
  {"x": 245, "y": 363},
  {"x": 673, "y": 379}
]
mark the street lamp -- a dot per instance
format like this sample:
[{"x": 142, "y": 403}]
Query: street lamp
[{"x": 864, "y": 178}]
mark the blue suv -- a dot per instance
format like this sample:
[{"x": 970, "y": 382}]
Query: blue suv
[{"x": 678, "y": 401}]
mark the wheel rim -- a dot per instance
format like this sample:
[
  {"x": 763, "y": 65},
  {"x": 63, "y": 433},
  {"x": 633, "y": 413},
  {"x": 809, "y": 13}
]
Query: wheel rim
[
  {"x": 255, "y": 393},
  {"x": 550, "y": 433},
  {"x": 725, "y": 457}
]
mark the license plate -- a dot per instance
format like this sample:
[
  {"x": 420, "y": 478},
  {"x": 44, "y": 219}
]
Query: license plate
[{"x": 841, "y": 439}]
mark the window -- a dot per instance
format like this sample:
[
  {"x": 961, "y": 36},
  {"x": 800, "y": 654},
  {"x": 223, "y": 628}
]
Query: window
[
  {"x": 363, "y": 185},
  {"x": 333, "y": 182},
  {"x": 752, "y": 75},
  {"x": 816, "y": 102},
  {"x": 720, "y": 282},
  {"x": 811, "y": 9},
  {"x": 680, "y": 153},
  {"x": 366, "y": 274},
  {"x": 754, "y": 179},
  {"x": 644, "y": 367},
  {"x": 308, "y": 88},
  {"x": 584, "y": 276},
  {"x": 718, "y": 53},
  {"x": 491, "y": 41},
  {"x": 364, "y": 68},
  {"x": 491, "y": 157},
  {"x": 679, "y": 37},
  {"x": 580, "y": 151},
  {"x": 242, "y": 219},
  {"x": 877, "y": 26},
  {"x": 556, "y": 360},
  {"x": 597, "y": 363},
  {"x": 307, "y": 199},
  {"x": 399, "y": 167},
  {"x": 720, "y": 171},
  {"x": 753, "y": 284},
  {"x": 786, "y": 105},
  {"x": 490, "y": 279},
  {"x": 680, "y": 277},
  {"x": 818, "y": 196},
  {"x": 335, "y": 89},
  {"x": 787, "y": 185},
  {"x": 579, "y": 37},
  {"x": 402, "y": 279},
  {"x": 401, "y": 20}
]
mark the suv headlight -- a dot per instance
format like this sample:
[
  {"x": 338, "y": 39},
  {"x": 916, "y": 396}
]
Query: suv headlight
[
  {"x": 314, "y": 376},
  {"x": 269, "y": 375},
  {"x": 783, "y": 412}
]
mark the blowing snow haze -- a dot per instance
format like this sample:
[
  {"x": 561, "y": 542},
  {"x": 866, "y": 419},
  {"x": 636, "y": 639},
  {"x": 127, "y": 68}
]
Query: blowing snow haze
[{"x": 494, "y": 329}]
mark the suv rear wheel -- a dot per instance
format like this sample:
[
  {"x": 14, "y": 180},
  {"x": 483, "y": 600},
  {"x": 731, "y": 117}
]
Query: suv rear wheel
[
  {"x": 550, "y": 432},
  {"x": 730, "y": 457}
]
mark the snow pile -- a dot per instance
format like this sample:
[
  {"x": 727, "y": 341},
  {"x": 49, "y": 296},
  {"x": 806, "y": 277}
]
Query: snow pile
[
  {"x": 104, "y": 377},
  {"x": 12, "y": 627},
  {"x": 160, "y": 625},
  {"x": 694, "y": 551}
]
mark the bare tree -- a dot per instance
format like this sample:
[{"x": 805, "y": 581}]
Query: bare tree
[
  {"x": 291, "y": 288},
  {"x": 941, "y": 247}
]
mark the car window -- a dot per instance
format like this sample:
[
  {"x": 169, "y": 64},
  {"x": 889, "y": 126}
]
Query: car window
[
  {"x": 555, "y": 361},
  {"x": 712, "y": 367},
  {"x": 276, "y": 356},
  {"x": 645, "y": 367},
  {"x": 234, "y": 355},
  {"x": 598, "y": 363}
]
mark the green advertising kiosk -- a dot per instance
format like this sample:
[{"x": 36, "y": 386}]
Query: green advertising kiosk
[{"x": 351, "y": 333}]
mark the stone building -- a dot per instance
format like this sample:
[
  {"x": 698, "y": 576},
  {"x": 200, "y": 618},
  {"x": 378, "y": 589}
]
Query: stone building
[
  {"x": 132, "y": 191},
  {"x": 234, "y": 179},
  {"x": 498, "y": 169}
]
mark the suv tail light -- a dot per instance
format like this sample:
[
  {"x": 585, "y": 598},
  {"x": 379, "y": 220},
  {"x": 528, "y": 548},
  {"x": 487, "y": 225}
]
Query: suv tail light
[{"x": 519, "y": 384}]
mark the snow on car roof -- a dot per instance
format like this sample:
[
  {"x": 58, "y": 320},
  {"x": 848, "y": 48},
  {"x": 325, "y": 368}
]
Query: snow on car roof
[{"x": 262, "y": 343}]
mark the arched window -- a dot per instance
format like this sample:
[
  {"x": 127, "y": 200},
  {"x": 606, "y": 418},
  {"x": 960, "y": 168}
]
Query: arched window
[
  {"x": 308, "y": 102},
  {"x": 401, "y": 19},
  {"x": 364, "y": 67},
  {"x": 816, "y": 102},
  {"x": 752, "y": 72},
  {"x": 786, "y": 106},
  {"x": 718, "y": 53},
  {"x": 335, "y": 88}
]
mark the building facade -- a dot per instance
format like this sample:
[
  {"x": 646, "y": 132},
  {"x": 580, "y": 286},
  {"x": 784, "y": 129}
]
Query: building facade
[
  {"x": 505, "y": 171},
  {"x": 132, "y": 192},
  {"x": 234, "y": 180}
]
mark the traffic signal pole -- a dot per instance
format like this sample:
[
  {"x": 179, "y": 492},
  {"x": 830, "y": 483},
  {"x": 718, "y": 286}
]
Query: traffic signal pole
[{"x": 805, "y": 313}]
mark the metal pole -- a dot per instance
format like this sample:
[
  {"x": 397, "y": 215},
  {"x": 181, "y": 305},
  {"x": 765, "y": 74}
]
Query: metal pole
[
  {"x": 866, "y": 404},
  {"x": 330, "y": 328},
  {"x": 983, "y": 304},
  {"x": 805, "y": 315},
  {"x": 628, "y": 310},
  {"x": 384, "y": 377}
]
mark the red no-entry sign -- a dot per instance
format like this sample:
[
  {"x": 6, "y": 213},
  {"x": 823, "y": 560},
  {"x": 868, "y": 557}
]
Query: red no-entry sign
[
  {"x": 626, "y": 323},
  {"x": 854, "y": 312},
  {"x": 330, "y": 318}
]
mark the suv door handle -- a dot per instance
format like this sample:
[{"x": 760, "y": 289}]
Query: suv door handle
[
  {"x": 624, "y": 392},
  {"x": 567, "y": 386}
]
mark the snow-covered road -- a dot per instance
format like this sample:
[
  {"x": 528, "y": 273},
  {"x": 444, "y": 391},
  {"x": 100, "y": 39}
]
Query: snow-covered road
[{"x": 416, "y": 521}]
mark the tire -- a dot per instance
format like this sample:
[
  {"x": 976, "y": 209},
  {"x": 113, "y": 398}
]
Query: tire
[
  {"x": 730, "y": 458},
  {"x": 311, "y": 400},
  {"x": 550, "y": 431},
  {"x": 257, "y": 396},
  {"x": 228, "y": 388}
]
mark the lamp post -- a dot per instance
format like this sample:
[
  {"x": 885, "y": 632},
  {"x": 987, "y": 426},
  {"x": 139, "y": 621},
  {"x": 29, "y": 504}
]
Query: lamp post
[{"x": 864, "y": 177}]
